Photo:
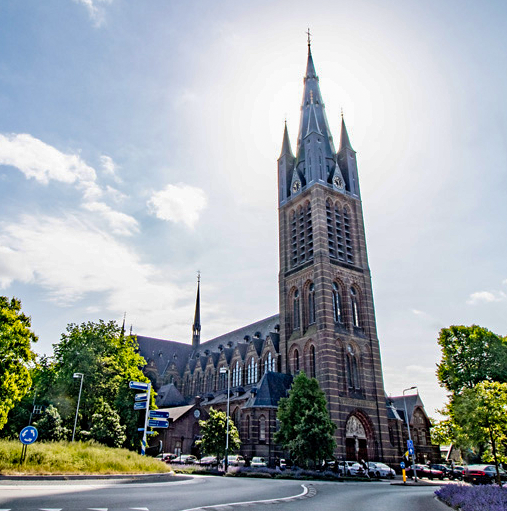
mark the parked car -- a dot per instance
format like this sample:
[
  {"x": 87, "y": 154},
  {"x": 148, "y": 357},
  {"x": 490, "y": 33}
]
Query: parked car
[
  {"x": 482, "y": 474},
  {"x": 351, "y": 468},
  {"x": 444, "y": 468},
  {"x": 258, "y": 461},
  {"x": 425, "y": 471},
  {"x": 164, "y": 456},
  {"x": 209, "y": 460},
  {"x": 186, "y": 459},
  {"x": 377, "y": 469},
  {"x": 235, "y": 460},
  {"x": 456, "y": 473}
]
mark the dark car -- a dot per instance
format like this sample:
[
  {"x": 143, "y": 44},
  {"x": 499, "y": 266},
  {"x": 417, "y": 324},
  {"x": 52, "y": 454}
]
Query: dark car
[
  {"x": 425, "y": 471},
  {"x": 443, "y": 468},
  {"x": 456, "y": 473},
  {"x": 482, "y": 474}
]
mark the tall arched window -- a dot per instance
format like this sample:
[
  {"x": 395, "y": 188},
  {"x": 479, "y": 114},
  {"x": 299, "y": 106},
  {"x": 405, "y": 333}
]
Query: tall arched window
[
  {"x": 262, "y": 428},
  {"x": 296, "y": 361},
  {"x": 313, "y": 371},
  {"x": 295, "y": 311},
  {"x": 354, "y": 302},
  {"x": 348, "y": 236},
  {"x": 353, "y": 379},
  {"x": 337, "y": 304},
  {"x": 311, "y": 304},
  {"x": 252, "y": 371}
]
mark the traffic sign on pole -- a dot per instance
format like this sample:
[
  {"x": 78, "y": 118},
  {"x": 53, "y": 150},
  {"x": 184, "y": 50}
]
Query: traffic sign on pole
[
  {"x": 158, "y": 423},
  {"x": 141, "y": 405},
  {"x": 158, "y": 414},
  {"x": 138, "y": 385},
  {"x": 28, "y": 435},
  {"x": 141, "y": 397}
]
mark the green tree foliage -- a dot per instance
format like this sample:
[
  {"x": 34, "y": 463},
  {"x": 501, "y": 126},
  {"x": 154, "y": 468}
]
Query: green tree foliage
[
  {"x": 481, "y": 413},
  {"x": 306, "y": 429},
  {"x": 106, "y": 428},
  {"x": 214, "y": 432},
  {"x": 470, "y": 355},
  {"x": 15, "y": 355},
  {"x": 50, "y": 426},
  {"x": 108, "y": 360}
]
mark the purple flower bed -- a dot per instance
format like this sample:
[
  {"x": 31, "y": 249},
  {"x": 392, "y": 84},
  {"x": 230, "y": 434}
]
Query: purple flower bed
[{"x": 473, "y": 498}]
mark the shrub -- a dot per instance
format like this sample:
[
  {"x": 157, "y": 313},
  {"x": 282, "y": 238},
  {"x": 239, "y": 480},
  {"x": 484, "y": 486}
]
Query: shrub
[{"x": 473, "y": 498}]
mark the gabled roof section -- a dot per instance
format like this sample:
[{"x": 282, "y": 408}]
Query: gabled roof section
[
  {"x": 177, "y": 411},
  {"x": 344, "y": 137},
  {"x": 169, "y": 395},
  {"x": 162, "y": 353},
  {"x": 286, "y": 148},
  {"x": 271, "y": 388},
  {"x": 413, "y": 401}
]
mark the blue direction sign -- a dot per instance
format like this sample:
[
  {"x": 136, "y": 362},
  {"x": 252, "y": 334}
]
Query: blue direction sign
[
  {"x": 138, "y": 385},
  {"x": 140, "y": 406},
  {"x": 158, "y": 423},
  {"x": 158, "y": 414},
  {"x": 410, "y": 446},
  {"x": 28, "y": 435},
  {"x": 141, "y": 397}
]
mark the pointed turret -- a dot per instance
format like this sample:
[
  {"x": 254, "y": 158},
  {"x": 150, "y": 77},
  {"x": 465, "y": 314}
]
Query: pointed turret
[
  {"x": 347, "y": 161},
  {"x": 285, "y": 166},
  {"x": 344, "y": 137},
  {"x": 286, "y": 148},
  {"x": 196, "y": 327}
]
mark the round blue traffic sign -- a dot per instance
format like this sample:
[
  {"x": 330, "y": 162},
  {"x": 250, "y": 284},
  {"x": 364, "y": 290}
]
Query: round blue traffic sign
[
  {"x": 402, "y": 464},
  {"x": 28, "y": 435}
]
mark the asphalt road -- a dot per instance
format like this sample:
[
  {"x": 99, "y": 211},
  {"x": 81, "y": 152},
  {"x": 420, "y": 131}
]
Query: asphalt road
[{"x": 214, "y": 493}]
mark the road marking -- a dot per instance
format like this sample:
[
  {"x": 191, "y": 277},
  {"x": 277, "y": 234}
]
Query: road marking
[
  {"x": 49, "y": 509},
  {"x": 138, "y": 508},
  {"x": 98, "y": 508},
  {"x": 306, "y": 493}
]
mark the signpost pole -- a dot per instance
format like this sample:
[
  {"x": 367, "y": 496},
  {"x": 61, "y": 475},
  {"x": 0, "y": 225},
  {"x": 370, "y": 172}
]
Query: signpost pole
[
  {"x": 410, "y": 444},
  {"x": 147, "y": 414}
]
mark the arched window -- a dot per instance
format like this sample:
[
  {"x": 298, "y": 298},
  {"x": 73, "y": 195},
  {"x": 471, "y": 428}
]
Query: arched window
[
  {"x": 313, "y": 371},
  {"x": 348, "y": 236},
  {"x": 337, "y": 304},
  {"x": 296, "y": 361},
  {"x": 269, "y": 363},
  {"x": 295, "y": 312},
  {"x": 262, "y": 428},
  {"x": 311, "y": 304},
  {"x": 353, "y": 379},
  {"x": 252, "y": 371},
  {"x": 354, "y": 302}
]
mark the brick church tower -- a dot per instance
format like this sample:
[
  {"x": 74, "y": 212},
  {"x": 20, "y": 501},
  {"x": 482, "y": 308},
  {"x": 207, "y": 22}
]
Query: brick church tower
[{"x": 327, "y": 317}]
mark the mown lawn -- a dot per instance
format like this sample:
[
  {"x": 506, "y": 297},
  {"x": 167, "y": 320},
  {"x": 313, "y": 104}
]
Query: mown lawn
[{"x": 74, "y": 458}]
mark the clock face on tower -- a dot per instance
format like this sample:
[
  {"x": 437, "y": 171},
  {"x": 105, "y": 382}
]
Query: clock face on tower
[
  {"x": 338, "y": 182},
  {"x": 296, "y": 186}
]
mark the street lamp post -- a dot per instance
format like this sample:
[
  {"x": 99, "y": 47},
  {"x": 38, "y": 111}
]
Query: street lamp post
[
  {"x": 409, "y": 435},
  {"x": 224, "y": 370},
  {"x": 77, "y": 375}
]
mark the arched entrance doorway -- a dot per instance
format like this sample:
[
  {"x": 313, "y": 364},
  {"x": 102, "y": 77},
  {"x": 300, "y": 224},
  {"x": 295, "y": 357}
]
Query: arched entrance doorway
[{"x": 356, "y": 441}]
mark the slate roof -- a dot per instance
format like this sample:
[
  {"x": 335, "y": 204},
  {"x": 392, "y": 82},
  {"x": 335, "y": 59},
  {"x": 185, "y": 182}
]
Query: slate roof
[
  {"x": 271, "y": 388},
  {"x": 412, "y": 401},
  {"x": 169, "y": 395},
  {"x": 175, "y": 412},
  {"x": 164, "y": 352}
]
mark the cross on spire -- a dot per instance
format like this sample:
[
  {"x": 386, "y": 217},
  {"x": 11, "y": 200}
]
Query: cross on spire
[{"x": 309, "y": 37}]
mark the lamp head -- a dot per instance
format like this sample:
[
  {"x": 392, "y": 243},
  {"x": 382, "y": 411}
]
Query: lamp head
[{"x": 78, "y": 375}]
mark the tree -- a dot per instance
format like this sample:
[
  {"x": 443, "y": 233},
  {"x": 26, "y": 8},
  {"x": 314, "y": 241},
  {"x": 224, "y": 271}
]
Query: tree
[
  {"x": 481, "y": 412},
  {"x": 470, "y": 355},
  {"x": 106, "y": 427},
  {"x": 15, "y": 355},
  {"x": 50, "y": 425},
  {"x": 214, "y": 434},
  {"x": 108, "y": 360},
  {"x": 306, "y": 429}
]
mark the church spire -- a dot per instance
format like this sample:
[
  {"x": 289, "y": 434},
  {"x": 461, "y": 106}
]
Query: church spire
[
  {"x": 315, "y": 152},
  {"x": 196, "y": 327}
]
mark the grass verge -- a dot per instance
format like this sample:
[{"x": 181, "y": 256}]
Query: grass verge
[{"x": 45, "y": 458}]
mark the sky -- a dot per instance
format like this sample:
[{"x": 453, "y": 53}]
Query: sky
[{"x": 138, "y": 145}]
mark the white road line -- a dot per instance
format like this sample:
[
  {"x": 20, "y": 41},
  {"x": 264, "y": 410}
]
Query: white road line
[
  {"x": 50, "y": 509},
  {"x": 137, "y": 508},
  {"x": 249, "y": 502},
  {"x": 98, "y": 508}
]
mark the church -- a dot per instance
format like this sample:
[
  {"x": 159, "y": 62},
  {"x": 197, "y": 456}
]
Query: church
[{"x": 325, "y": 326}]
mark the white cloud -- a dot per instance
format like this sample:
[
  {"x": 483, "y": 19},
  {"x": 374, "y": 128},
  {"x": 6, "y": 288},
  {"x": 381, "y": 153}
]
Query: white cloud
[
  {"x": 43, "y": 162},
  {"x": 95, "y": 11},
  {"x": 486, "y": 297},
  {"x": 120, "y": 223},
  {"x": 110, "y": 168},
  {"x": 178, "y": 203}
]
